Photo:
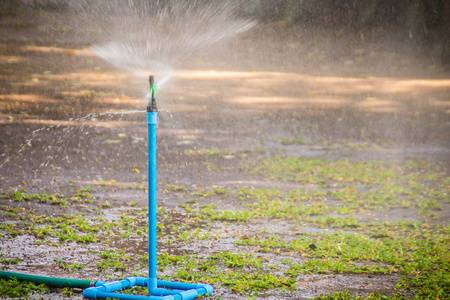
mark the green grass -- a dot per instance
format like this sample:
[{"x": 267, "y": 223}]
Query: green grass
[
  {"x": 293, "y": 141},
  {"x": 174, "y": 188},
  {"x": 343, "y": 172},
  {"x": 420, "y": 255},
  {"x": 347, "y": 296},
  {"x": 15, "y": 288},
  {"x": 353, "y": 187},
  {"x": 409, "y": 255},
  {"x": 416, "y": 251},
  {"x": 242, "y": 273},
  {"x": 82, "y": 195},
  {"x": 69, "y": 266},
  {"x": 209, "y": 152},
  {"x": 211, "y": 192},
  {"x": 20, "y": 195},
  {"x": 75, "y": 227},
  {"x": 114, "y": 260}
]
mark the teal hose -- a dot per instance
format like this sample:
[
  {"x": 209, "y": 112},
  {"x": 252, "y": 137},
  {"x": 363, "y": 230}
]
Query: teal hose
[{"x": 49, "y": 281}]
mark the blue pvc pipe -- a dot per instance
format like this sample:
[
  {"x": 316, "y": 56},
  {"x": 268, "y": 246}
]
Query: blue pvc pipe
[
  {"x": 201, "y": 288},
  {"x": 106, "y": 290},
  {"x": 95, "y": 294},
  {"x": 159, "y": 289},
  {"x": 152, "y": 121},
  {"x": 178, "y": 290}
]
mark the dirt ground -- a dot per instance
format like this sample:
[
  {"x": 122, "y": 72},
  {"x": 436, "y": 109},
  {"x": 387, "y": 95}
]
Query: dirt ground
[{"x": 70, "y": 120}]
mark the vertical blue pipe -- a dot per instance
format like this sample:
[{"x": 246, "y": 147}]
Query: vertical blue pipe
[{"x": 152, "y": 120}]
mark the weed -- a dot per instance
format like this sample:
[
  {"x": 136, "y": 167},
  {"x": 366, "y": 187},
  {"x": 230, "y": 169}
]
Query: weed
[
  {"x": 174, "y": 188},
  {"x": 345, "y": 295},
  {"x": 113, "y": 259},
  {"x": 215, "y": 191},
  {"x": 210, "y": 166},
  {"x": 68, "y": 266},
  {"x": 105, "y": 204},
  {"x": 138, "y": 187},
  {"x": 14, "y": 288},
  {"x": 84, "y": 192},
  {"x": 7, "y": 262},
  {"x": 241, "y": 273},
  {"x": 257, "y": 194},
  {"x": 421, "y": 254},
  {"x": 136, "y": 290},
  {"x": 232, "y": 260},
  {"x": 217, "y": 152},
  {"x": 105, "y": 183},
  {"x": 11, "y": 229},
  {"x": 361, "y": 186},
  {"x": 276, "y": 209},
  {"x": 293, "y": 141},
  {"x": 20, "y": 195}
]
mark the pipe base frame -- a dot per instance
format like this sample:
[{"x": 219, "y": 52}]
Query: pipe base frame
[{"x": 166, "y": 290}]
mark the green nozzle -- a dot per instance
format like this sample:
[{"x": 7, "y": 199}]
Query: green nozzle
[
  {"x": 153, "y": 86},
  {"x": 151, "y": 107}
]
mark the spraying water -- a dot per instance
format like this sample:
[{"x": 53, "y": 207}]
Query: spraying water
[{"x": 140, "y": 36}]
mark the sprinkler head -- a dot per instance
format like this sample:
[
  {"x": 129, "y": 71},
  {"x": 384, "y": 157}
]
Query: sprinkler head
[{"x": 151, "y": 107}]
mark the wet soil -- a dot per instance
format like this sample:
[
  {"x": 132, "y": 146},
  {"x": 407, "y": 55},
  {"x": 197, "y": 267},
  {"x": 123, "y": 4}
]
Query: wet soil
[{"x": 347, "y": 96}]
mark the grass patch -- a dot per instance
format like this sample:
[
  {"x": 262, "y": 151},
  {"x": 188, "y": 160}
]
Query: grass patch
[
  {"x": 174, "y": 188},
  {"x": 345, "y": 295},
  {"x": 15, "y": 288},
  {"x": 357, "y": 187},
  {"x": 211, "y": 192},
  {"x": 314, "y": 171},
  {"x": 415, "y": 250},
  {"x": 293, "y": 141},
  {"x": 114, "y": 260},
  {"x": 420, "y": 254},
  {"x": 20, "y": 195},
  {"x": 242, "y": 273}
]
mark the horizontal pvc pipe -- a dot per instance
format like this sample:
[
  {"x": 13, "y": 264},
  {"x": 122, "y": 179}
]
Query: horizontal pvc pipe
[
  {"x": 94, "y": 293},
  {"x": 177, "y": 290},
  {"x": 49, "y": 281},
  {"x": 164, "y": 292},
  {"x": 186, "y": 286}
]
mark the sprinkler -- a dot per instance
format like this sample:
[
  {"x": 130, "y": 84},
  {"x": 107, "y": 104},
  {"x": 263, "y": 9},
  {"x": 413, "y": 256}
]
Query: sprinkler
[
  {"x": 151, "y": 107},
  {"x": 158, "y": 289}
]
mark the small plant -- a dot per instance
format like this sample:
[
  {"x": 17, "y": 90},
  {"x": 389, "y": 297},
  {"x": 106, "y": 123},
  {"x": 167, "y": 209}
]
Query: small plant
[
  {"x": 105, "y": 183},
  {"x": 293, "y": 141},
  {"x": 10, "y": 229},
  {"x": 210, "y": 166},
  {"x": 84, "y": 192},
  {"x": 69, "y": 267},
  {"x": 20, "y": 195},
  {"x": 15, "y": 288},
  {"x": 174, "y": 188},
  {"x": 12, "y": 261},
  {"x": 104, "y": 204},
  {"x": 138, "y": 187},
  {"x": 215, "y": 191},
  {"x": 113, "y": 259}
]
